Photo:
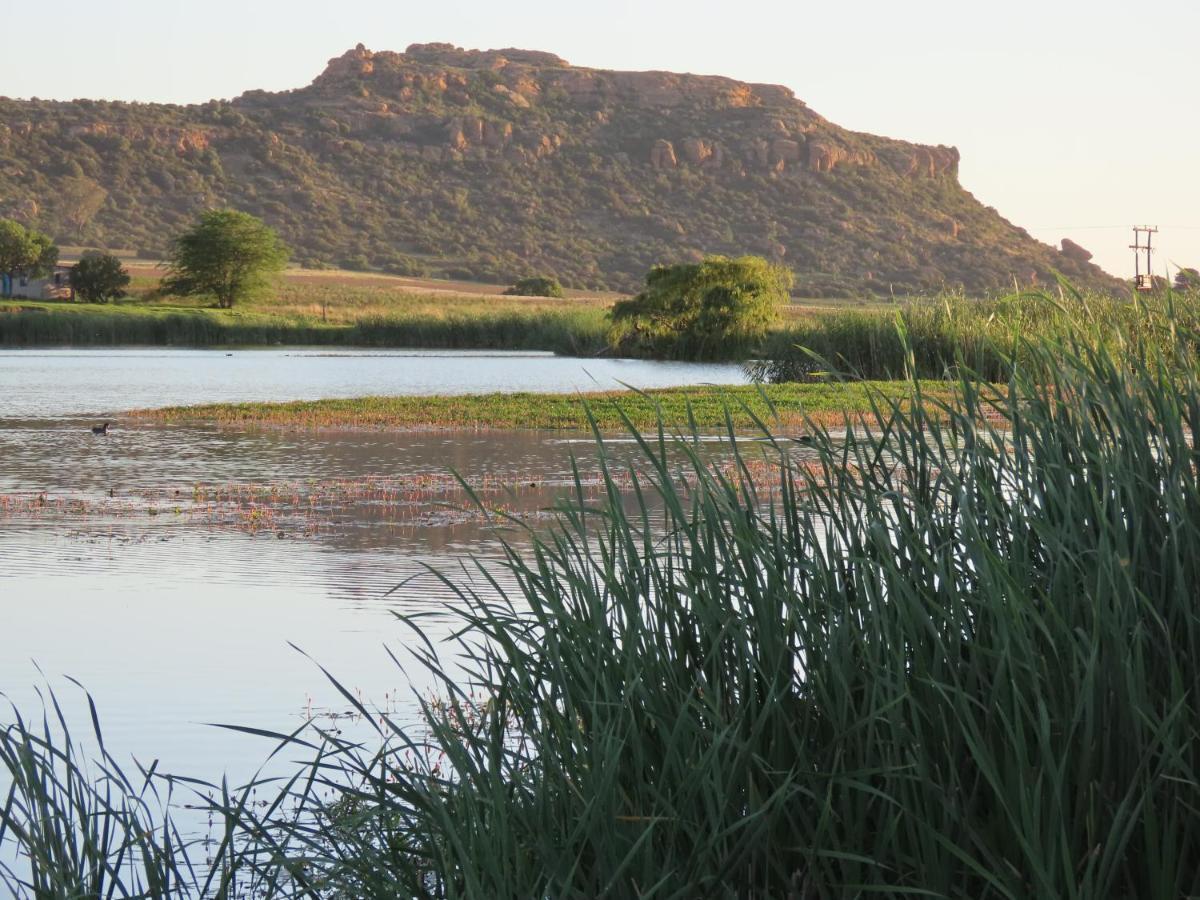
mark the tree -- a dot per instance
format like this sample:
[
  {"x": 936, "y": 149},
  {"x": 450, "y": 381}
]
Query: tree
[
  {"x": 712, "y": 308},
  {"x": 80, "y": 198},
  {"x": 1187, "y": 280},
  {"x": 228, "y": 254},
  {"x": 24, "y": 251},
  {"x": 99, "y": 277},
  {"x": 536, "y": 286}
]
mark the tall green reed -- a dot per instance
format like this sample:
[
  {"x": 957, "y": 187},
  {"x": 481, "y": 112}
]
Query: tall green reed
[
  {"x": 945, "y": 332},
  {"x": 570, "y": 331},
  {"x": 76, "y": 823}
]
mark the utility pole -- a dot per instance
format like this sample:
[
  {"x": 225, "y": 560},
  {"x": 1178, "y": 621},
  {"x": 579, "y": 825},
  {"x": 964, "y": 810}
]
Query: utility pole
[{"x": 1142, "y": 280}]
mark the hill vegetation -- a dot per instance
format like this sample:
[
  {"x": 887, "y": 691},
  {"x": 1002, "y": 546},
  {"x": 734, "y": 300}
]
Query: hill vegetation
[{"x": 498, "y": 165}]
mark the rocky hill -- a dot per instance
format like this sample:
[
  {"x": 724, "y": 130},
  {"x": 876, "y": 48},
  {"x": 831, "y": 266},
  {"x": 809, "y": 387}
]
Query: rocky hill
[{"x": 494, "y": 164}]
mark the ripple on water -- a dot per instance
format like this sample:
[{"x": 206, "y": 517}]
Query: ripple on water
[{"x": 173, "y": 624}]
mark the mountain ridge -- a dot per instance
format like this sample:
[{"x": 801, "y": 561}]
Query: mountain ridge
[{"x": 498, "y": 163}]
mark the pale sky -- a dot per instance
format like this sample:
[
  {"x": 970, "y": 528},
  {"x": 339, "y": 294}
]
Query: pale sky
[{"x": 1075, "y": 118}]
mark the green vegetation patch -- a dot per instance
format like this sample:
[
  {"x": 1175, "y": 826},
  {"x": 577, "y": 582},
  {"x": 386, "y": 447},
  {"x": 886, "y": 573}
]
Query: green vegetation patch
[
  {"x": 315, "y": 316},
  {"x": 706, "y": 406}
]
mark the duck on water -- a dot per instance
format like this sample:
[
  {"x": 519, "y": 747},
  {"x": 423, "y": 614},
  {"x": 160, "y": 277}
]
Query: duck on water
[{"x": 100, "y": 429}]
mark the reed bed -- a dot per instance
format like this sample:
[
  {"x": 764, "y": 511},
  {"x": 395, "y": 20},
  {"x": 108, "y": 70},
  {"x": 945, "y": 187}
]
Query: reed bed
[
  {"x": 943, "y": 333},
  {"x": 315, "y": 313},
  {"x": 570, "y": 329},
  {"x": 958, "y": 656}
]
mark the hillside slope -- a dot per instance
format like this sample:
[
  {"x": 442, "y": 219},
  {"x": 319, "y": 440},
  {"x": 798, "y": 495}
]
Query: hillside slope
[{"x": 494, "y": 164}]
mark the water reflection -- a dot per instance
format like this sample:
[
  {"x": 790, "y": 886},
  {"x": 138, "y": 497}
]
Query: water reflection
[{"x": 174, "y": 619}]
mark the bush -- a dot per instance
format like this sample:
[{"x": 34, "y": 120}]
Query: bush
[
  {"x": 99, "y": 277},
  {"x": 713, "y": 308},
  {"x": 537, "y": 286}
]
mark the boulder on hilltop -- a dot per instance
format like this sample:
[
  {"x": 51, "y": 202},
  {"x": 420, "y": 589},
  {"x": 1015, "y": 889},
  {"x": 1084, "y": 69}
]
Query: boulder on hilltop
[{"x": 1072, "y": 250}]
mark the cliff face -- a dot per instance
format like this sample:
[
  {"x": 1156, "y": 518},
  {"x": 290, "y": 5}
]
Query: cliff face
[{"x": 501, "y": 162}]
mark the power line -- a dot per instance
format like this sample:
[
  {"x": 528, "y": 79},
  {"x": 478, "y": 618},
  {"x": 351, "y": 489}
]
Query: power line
[
  {"x": 1143, "y": 282},
  {"x": 1104, "y": 227}
]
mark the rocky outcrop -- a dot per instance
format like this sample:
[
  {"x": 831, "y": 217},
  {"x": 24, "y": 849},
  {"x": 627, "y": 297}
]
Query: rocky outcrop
[
  {"x": 352, "y": 64},
  {"x": 662, "y": 155},
  {"x": 825, "y": 156},
  {"x": 516, "y": 98},
  {"x": 1072, "y": 250},
  {"x": 698, "y": 152},
  {"x": 928, "y": 162},
  {"x": 475, "y": 138},
  {"x": 788, "y": 138},
  {"x": 449, "y": 55},
  {"x": 660, "y": 90},
  {"x": 525, "y": 75},
  {"x": 182, "y": 140}
]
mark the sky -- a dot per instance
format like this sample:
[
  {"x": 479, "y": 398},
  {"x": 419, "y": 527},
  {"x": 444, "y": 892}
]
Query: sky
[{"x": 1074, "y": 119}]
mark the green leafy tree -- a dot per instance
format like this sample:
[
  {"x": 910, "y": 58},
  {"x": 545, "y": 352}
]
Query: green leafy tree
[
  {"x": 716, "y": 307},
  {"x": 24, "y": 251},
  {"x": 537, "y": 286},
  {"x": 99, "y": 277},
  {"x": 228, "y": 254}
]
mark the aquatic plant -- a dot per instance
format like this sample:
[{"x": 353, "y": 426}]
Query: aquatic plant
[
  {"x": 945, "y": 332},
  {"x": 709, "y": 407},
  {"x": 571, "y": 330}
]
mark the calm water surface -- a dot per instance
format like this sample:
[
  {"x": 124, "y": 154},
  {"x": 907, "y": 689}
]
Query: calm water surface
[
  {"x": 174, "y": 615},
  {"x": 56, "y": 383}
]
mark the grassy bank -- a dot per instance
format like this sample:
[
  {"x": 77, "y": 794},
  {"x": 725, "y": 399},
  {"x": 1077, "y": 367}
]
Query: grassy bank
[
  {"x": 335, "y": 309},
  {"x": 953, "y": 657},
  {"x": 576, "y": 329},
  {"x": 703, "y": 406}
]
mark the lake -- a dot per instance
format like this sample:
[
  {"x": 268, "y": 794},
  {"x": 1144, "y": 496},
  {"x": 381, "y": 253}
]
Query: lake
[
  {"x": 168, "y": 568},
  {"x": 58, "y": 383}
]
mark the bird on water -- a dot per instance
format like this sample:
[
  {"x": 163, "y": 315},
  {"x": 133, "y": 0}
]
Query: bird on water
[{"x": 100, "y": 429}]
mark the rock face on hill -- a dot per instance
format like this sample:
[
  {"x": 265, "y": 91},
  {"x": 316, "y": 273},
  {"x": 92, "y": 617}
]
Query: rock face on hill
[
  {"x": 493, "y": 164},
  {"x": 1072, "y": 250}
]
